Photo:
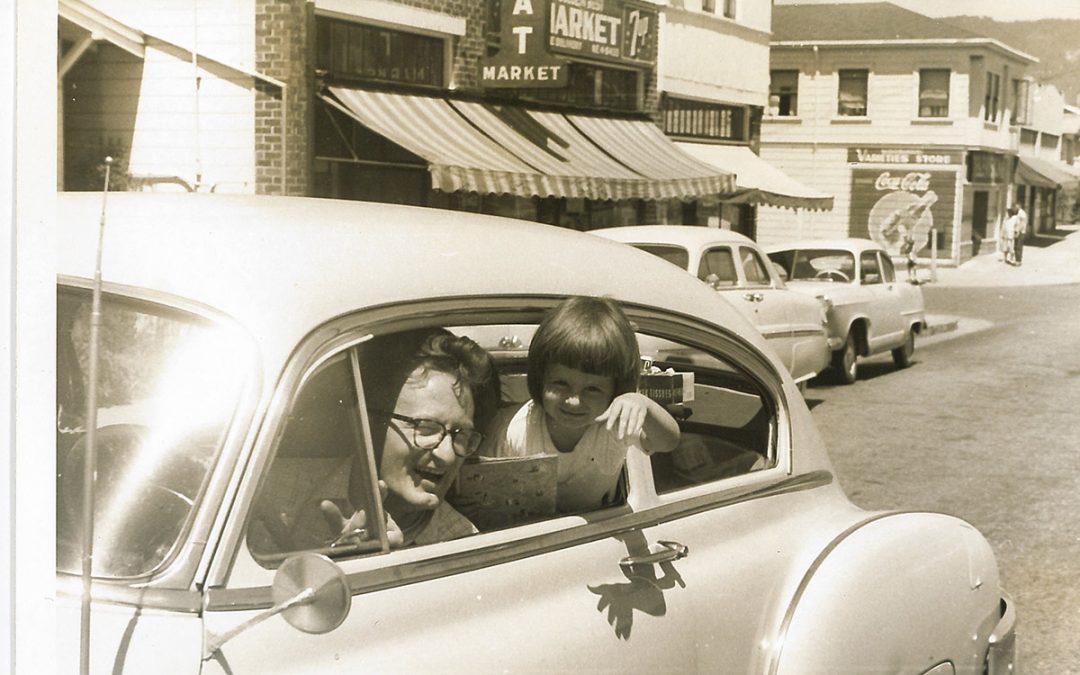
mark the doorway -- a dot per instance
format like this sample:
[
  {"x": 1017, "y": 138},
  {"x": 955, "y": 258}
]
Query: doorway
[{"x": 979, "y": 208}]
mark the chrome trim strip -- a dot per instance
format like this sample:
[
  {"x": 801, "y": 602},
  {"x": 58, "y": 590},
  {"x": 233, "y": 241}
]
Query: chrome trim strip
[
  {"x": 191, "y": 602},
  {"x": 245, "y": 599},
  {"x": 789, "y": 615}
]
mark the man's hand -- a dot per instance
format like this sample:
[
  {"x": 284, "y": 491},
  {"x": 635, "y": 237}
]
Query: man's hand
[{"x": 354, "y": 528}]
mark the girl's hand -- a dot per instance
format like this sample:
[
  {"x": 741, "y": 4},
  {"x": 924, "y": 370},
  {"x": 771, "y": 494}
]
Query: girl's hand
[{"x": 626, "y": 415}]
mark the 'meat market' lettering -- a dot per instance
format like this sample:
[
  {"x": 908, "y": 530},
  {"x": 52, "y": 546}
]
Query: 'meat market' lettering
[{"x": 520, "y": 73}]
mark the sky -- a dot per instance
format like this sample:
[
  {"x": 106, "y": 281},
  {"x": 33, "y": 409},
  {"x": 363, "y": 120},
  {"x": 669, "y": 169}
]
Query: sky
[{"x": 1001, "y": 10}]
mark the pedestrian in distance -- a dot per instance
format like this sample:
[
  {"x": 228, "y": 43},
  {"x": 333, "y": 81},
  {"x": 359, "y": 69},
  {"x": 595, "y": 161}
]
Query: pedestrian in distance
[
  {"x": 1007, "y": 238},
  {"x": 907, "y": 248},
  {"x": 1021, "y": 234}
]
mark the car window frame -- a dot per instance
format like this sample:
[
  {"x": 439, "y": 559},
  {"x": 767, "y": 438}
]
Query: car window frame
[
  {"x": 740, "y": 280},
  {"x": 872, "y": 255},
  {"x": 193, "y": 554},
  {"x": 237, "y": 580},
  {"x": 765, "y": 267},
  {"x": 888, "y": 269}
]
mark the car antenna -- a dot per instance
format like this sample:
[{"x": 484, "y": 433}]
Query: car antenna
[{"x": 90, "y": 460}]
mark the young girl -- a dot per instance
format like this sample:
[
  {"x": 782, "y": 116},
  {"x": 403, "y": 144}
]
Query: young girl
[{"x": 582, "y": 378}]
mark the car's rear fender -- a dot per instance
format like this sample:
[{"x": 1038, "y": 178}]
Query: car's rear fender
[{"x": 899, "y": 592}]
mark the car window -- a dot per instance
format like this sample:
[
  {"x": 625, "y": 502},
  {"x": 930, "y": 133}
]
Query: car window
[
  {"x": 168, "y": 385},
  {"x": 869, "y": 272},
  {"x": 887, "y": 269},
  {"x": 719, "y": 264},
  {"x": 320, "y": 457},
  {"x": 832, "y": 265},
  {"x": 753, "y": 266},
  {"x": 325, "y": 457},
  {"x": 727, "y": 428},
  {"x": 676, "y": 255}
]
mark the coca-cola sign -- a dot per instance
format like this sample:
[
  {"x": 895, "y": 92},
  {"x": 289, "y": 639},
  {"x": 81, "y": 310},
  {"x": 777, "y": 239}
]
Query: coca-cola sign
[
  {"x": 887, "y": 205},
  {"x": 913, "y": 181}
]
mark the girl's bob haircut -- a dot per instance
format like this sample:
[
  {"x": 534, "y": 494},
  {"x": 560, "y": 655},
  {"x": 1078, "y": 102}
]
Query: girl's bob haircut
[{"x": 590, "y": 334}]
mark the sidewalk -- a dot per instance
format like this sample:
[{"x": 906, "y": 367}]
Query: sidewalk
[{"x": 1050, "y": 260}]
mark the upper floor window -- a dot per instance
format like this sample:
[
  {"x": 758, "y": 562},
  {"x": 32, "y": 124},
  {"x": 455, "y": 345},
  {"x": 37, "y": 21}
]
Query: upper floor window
[
  {"x": 376, "y": 53},
  {"x": 1020, "y": 102},
  {"x": 708, "y": 6},
  {"x": 992, "y": 97},
  {"x": 784, "y": 93},
  {"x": 851, "y": 97},
  {"x": 729, "y": 9},
  {"x": 699, "y": 119},
  {"x": 934, "y": 92}
]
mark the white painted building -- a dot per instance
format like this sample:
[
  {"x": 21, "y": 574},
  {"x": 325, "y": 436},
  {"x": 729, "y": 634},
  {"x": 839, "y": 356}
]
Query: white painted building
[{"x": 881, "y": 107}]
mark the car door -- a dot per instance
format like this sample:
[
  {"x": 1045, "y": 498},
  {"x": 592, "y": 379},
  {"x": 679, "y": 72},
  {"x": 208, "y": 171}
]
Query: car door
[
  {"x": 772, "y": 313},
  {"x": 883, "y": 302},
  {"x": 545, "y": 596}
]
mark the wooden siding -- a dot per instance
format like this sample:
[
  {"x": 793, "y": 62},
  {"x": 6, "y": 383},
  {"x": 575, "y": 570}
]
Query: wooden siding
[{"x": 825, "y": 169}]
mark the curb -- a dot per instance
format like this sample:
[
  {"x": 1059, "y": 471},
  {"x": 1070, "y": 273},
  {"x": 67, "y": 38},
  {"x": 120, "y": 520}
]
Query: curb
[{"x": 935, "y": 325}]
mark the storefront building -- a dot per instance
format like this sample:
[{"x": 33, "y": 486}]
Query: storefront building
[
  {"x": 1046, "y": 185},
  {"x": 713, "y": 86},
  {"x": 540, "y": 109},
  {"x": 905, "y": 119}
]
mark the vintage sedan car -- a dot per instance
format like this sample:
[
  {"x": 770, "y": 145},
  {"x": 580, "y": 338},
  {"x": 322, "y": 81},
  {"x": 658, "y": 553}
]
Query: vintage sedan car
[
  {"x": 870, "y": 309},
  {"x": 732, "y": 263},
  {"x": 229, "y": 403}
]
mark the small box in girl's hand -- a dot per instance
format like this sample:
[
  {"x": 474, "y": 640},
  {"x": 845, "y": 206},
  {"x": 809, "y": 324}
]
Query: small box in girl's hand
[{"x": 667, "y": 387}]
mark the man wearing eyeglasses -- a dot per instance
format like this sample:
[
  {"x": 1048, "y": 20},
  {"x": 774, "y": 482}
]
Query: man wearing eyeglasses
[{"x": 427, "y": 392}]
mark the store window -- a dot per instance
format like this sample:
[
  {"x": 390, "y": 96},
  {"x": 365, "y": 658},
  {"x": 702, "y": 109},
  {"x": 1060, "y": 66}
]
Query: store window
[
  {"x": 992, "y": 97},
  {"x": 783, "y": 93},
  {"x": 595, "y": 87},
  {"x": 351, "y": 50},
  {"x": 700, "y": 119},
  {"x": 851, "y": 97},
  {"x": 934, "y": 92}
]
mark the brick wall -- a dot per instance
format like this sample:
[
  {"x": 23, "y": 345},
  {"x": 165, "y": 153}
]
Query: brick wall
[{"x": 283, "y": 32}]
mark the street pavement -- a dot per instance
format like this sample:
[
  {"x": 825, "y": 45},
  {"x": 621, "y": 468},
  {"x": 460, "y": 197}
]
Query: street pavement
[{"x": 1049, "y": 260}]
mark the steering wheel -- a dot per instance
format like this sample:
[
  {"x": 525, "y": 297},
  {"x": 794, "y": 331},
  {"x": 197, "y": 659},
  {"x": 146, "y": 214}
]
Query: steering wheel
[
  {"x": 833, "y": 274},
  {"x": 149, "y": 519}
]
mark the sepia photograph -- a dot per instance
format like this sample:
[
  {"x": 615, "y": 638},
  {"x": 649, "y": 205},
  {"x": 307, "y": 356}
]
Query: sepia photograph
[{"x": 542, "y": 336}]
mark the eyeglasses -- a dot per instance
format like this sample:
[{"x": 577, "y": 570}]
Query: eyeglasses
[{"x": 428, "y": 434}]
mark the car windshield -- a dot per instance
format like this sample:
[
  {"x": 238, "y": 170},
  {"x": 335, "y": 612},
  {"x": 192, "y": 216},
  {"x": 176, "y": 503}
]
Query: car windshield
[
  {"x": 676, "y": 255},
  {"x": 830, "y": 265},
  {"x": 168, "y": 386}
]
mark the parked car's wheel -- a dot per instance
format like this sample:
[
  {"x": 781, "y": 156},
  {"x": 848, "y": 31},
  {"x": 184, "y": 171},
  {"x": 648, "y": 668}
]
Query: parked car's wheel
[
  {"x": 845, "y": 361},
  {"x": 901, "y": 356}
]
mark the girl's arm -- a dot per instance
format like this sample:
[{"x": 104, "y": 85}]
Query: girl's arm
[{"x": 635, "y": 413}]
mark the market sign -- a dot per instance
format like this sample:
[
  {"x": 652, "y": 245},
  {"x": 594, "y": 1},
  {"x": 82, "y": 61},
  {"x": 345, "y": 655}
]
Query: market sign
[
  {"x": 887, "y": 204},
  {"x": 523, "y": 60},
  {"x": 611, "y": 30},
  {"x": 907, "y": 156}
]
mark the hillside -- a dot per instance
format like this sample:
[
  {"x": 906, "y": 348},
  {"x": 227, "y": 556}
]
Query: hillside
[{"x": 1055, "y": 42}]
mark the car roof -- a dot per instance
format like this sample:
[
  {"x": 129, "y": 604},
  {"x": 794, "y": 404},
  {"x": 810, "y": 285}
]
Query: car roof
[
  {"x": 854, "y": 244},
  {"x": 283, "y": 265},
  {"x": 690, "y": 236}
]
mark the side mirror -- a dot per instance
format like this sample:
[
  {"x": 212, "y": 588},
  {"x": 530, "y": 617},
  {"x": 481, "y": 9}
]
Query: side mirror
[
  {"x": 309, "y": 591},
  {"x": 780, "y": 271}
]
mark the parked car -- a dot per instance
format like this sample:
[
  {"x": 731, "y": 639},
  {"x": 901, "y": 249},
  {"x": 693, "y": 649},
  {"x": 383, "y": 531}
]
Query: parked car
[
  {"x": 230, "y": 360},
  {"x": 739, "y": 271},
  {"x": 870, "y": 310}
]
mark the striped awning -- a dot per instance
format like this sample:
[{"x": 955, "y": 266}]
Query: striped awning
[
  {"x": 490, "y": 148},
  {"x": 758, "y": 181}
]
